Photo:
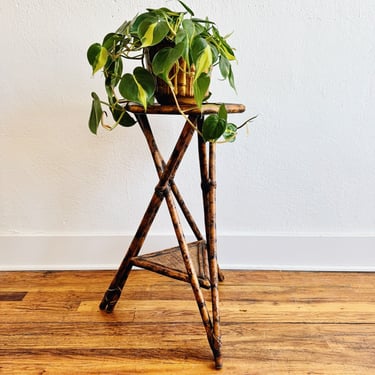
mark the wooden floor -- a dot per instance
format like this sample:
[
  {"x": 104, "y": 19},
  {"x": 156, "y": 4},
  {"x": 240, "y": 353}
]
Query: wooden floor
[{"x": 272, "y": 323}]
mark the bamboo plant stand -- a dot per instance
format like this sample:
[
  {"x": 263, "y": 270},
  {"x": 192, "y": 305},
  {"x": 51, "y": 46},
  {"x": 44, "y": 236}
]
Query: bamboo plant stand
[{"x": 196, "y": 262}]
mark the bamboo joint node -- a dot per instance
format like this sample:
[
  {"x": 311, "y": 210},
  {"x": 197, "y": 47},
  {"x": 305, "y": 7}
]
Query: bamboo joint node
[
  {"x": 161, "y": 192},
  {"x": 206, "y": 185}
]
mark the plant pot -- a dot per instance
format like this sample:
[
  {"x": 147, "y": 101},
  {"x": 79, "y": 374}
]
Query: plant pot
[{"x": 181, "y": 77}]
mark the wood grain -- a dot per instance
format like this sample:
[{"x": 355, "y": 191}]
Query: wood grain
[{"x": 272, "y": 323}]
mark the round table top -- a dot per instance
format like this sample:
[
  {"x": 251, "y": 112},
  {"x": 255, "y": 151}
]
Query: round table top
[{"x": 207, "y": 108}]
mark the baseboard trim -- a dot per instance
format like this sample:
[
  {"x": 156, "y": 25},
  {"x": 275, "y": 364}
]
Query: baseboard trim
[{"x": 249, "y": 252}]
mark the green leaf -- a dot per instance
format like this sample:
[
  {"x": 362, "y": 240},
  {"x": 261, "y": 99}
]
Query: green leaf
[
  {"x": 111, "y": 98},
  {"x": 182, "y": 38},
  {"x": 97, "y": 56},
  {"x": 198, "y": 46},
  {"x": 110, "y": 40},
  {"x": 147, "y": 81},
  {"x": 215, "y": 54},
  {"x": 152, "y": 32},
  {"x": 129, "y": 88},
  {"x": 201, "y": 86},
  {"x": 137, "y": 21},
  {"x": 230, "y": 132},
  {"x": 162, "y": 12},
  {"x": 187, "y": 8},
  {"x": 204, "y": 21},
  {"x": 95, "y": 114},
  {"x": 113, "y": 72},
  {"x": 121, "y": 116},
  {"x": 227, "y": 51},
  {"x": 198, "y": 28},
  {"x": 138, "y": 87},
  {"x": 224, "y": 48},
  {"x": 223, "y": 112},
  {"x": 231, "y": 79},
  {"x": 224, "y": 66},
  {"x": 124, "y": 29},
  {"x": 185, "y": 35},
  {"x": 164, "y": 60},
  {"x": 202, "y": 56},
  {"x": 189, "y": 28},
  {"x": 213, "y": 128}
]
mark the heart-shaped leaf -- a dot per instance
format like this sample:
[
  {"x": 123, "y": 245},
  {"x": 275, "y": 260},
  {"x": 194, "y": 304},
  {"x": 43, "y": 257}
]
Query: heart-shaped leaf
[
  {"x": 122, "y": 117},
  {"x": 110, "y": 40},
  {"x": 213, "y": 128},
  {"x": 138, "y": 87},
  {"x": 152, "y": 31},
  {"x": 187, "y": 8},
  {"x": 230, "y": 132},
  {"x": 185, "y": 35},
  {"x": 222, "y": 112},
  {"x": 201, "y": 86},
  {"x": 164, "y": 60},
  {"x": 113, "y": 72},
  {"x": 224, "y": 66},
  {"x": 95, "y": 114},
  {"x": 97, "y": 56},
  {"x": 231, "y": 79},
  {"x": 202, "y": 56}
]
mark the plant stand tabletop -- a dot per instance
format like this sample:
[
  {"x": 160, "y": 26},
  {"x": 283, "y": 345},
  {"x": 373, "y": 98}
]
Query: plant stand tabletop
[
  {"x": 206, "y": 109},
  {"x": 196, "y": 262}
]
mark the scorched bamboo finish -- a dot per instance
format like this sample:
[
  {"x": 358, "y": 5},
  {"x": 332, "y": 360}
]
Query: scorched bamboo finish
[{"x": 167, "y": 190}]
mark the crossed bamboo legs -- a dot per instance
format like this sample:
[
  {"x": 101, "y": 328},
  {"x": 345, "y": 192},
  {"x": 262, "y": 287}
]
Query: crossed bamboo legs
[{"x": 167, "y": 189}]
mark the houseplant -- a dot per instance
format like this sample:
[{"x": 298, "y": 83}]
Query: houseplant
[{"x": 168, "y": 45}]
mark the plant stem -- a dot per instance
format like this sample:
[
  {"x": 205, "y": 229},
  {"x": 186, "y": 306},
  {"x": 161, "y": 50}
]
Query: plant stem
[
  {"x": 246, "y": 122},
  {"x": 181, "y": 111}
]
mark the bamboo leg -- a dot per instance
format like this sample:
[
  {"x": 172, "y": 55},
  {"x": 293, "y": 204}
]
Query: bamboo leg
[
  {"x": 193, "y": 279},
  {"x": 212, "y": 256},
  {"x": 114, "y": 291},
  {"x": 194, "y": 282},
  {"x": 208, "y": 177},
  {"x": 205, "y": 185}
]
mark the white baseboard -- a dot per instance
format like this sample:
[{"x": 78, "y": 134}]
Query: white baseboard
[{"x": 274, "y": 252}]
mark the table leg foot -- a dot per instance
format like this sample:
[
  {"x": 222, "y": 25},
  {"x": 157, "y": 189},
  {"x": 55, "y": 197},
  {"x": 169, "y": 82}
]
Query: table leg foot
[
  {"x": 110, "y": 299},
  {"x": 219, "y": 362},
  {"x": 215, "y": 344}
]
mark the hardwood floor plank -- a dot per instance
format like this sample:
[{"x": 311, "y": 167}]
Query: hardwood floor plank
[{"x": 272, "y": 323}]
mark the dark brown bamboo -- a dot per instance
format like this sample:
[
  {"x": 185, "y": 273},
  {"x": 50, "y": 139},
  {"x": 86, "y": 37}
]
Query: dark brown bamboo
[
  {"x": 205, "y": 185},
  {"x": 114, "y": 291},
  {"x": 212, "y": 257},
  {"x": 190, "y": 269},
  {"x": 208, "y": 184},
  {"x": 193, "y": 278},
  {"x": 169, "y": 262},
  {"x": 167, "y": 189},
  {"x": 188, "y": 109},
  {"x": 173, "y": 274}
]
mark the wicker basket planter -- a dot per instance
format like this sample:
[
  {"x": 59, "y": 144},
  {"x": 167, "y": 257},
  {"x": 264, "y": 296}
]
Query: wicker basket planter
[{"x": 181, "y": 76}]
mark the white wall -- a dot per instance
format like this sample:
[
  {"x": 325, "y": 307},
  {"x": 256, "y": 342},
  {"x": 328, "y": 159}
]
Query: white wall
[{"x": 296, "y": 192}]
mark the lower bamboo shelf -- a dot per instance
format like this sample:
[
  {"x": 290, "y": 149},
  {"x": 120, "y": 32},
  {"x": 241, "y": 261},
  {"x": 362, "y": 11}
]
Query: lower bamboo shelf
[{"x": 169, "y": 262}]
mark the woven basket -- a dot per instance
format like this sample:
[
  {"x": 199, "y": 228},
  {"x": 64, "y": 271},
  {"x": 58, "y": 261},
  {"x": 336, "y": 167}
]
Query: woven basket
[{"x": 182, "y": 79}]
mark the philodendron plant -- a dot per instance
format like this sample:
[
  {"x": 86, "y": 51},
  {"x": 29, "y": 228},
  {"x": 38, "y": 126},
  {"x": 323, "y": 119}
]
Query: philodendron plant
[{"x": 177, "y": 36}]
